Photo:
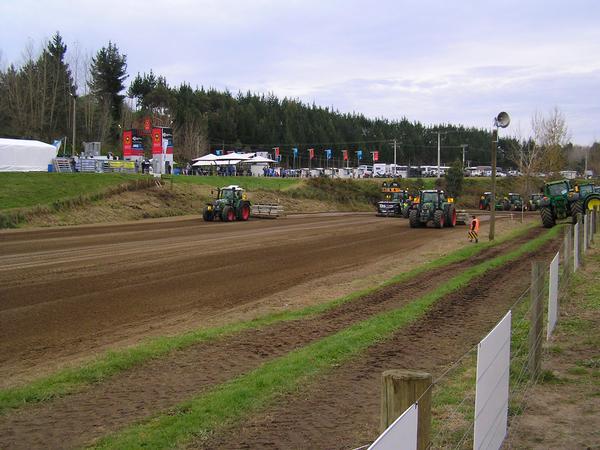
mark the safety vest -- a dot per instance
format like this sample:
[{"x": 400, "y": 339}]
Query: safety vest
[{"x": 475, "y": 225}]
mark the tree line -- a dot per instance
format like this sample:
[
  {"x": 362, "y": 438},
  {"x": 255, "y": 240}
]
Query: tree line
[{"x": 37, "y": 100}]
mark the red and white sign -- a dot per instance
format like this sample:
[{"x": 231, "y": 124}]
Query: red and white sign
[
  {"x": 375, "y": 155},
  {"x": 345, "y": 154},
  {"x": 311, "y": 153},
  {"x": 127, "y": 143},
  {"x": 157, "y": 145}
]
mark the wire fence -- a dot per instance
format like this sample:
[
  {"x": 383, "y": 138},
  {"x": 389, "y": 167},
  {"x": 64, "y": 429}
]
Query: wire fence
[{"x": 453, "y": 391}]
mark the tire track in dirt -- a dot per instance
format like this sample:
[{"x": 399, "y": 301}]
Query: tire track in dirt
[
  {"x": 78, "y": 419},
  {"x": 340, "y": 410}
]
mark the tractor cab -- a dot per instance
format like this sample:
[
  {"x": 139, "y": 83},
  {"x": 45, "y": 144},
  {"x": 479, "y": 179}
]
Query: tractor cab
[{"x": 558, "y": 202}]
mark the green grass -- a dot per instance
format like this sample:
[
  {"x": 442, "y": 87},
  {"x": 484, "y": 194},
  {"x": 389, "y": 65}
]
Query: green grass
[
  {"x": 235, "y": 399},
  {"x": 76, "y": 378},
  {"x": 249, "y": 183},
  {"x": 22, "y": 190}
]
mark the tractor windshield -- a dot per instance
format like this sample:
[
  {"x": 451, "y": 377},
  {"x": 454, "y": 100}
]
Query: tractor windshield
[
  {"x": 430, "y": 197},
  {"x": 515, "y": 197},
  {"x": 586, "y": 189},
  {"x": 557, "y": 189},
  {"x": 227, "y": 194}
]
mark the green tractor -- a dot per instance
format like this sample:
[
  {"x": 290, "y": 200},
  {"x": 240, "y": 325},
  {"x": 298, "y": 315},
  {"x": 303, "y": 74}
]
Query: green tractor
[
  {"x": 231, "y": 204},
  {"x": 557, "y": 202},
  {"x": 533, "y": 204},
  {"x": 396, "y": 200},
  {"x": 583, "y": 198},
  {"x": 502, "y": 203},
  {"x": 432, "y": 206},
  {"x": 515, "y": 201}
]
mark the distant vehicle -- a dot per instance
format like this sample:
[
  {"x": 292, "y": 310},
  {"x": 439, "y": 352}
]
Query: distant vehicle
[
  {"x": 516, "y": 201},
  {"x": 231, "y": 204},
  {"x": 534, "y": 201},
  {"x": 396, "y": 201}
]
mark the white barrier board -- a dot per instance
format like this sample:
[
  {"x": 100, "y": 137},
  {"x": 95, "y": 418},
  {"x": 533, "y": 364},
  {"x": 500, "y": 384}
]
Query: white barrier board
[
  {"x": 553, "y": 296},
  {"x": 402, "y": 434},
  {"x": 491, "y": 392},
  {"x": 576, "y": 247},
  {"x": 585, "y": 232}
]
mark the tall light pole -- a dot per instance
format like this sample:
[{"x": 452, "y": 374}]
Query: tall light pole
[
  {"x": 439, "y": 153},
  {"x": 464, "y": 148},
  {"x": 74, "y": 122},
  {"x": 501, "y": 121}
]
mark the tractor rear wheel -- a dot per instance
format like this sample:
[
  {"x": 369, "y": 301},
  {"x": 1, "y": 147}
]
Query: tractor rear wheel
[
  {"x": 413, "y": 219},
  {"x": 207, "y": 215},
  {"x": 451, "y": 217},
  {"x": 439, "y": 219},
  {"x": 228, "y": 214},
  {"x": 547, "y": 217},
  {"x": 576, "y": 208}
]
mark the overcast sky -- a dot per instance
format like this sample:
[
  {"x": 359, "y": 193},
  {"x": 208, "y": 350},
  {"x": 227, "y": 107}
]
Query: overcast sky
[{"x": 431, "y": 61}]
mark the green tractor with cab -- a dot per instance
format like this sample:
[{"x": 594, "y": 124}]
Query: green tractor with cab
[
  {"x": 557, "y": 202},
  {"x": 515, "y": 201},
  {"x": 583, "y": 198},
  {"x": 533, "y": 204},
  {"x": 231, "y": 204},
  {"x": 432, "y": 206}
]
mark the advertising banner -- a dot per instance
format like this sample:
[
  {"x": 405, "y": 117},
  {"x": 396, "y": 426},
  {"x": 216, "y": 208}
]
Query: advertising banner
[
  {"x": 311, "y": 153},
  {"x": 359, "y": 155},
  {"x": 167, "y": 135},
  {"x": 345, "y": 154},
  {"x": 147, "y": 125},
  {"x": 127, "y": 143},
  {"x": 157, "y": 137},
  {"x": 328, "y": 153},
  {"x": 137, "y": 144},
  {"x": 375, "y": 155}
]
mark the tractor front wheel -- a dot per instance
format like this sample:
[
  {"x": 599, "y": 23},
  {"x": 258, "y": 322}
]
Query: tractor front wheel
[
  {"x": 413, "y": 219},
  {"x": 228, "y": 214},
  {"x": 451, "y": 217},
  {"x": 405, "y": 212},
  {"x": 547, "y": 217},
  {"x": 438, "y": 218},
  {"x": 243, "y": 212},
  {"x": 207, "y": 215}
]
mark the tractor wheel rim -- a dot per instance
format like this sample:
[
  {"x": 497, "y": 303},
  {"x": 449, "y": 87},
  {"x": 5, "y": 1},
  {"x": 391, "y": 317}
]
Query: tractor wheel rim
[
  {"x": 245, "y": 213},
  {"x": 230, "y": 215},
  {"x": 453, "y": 218}
]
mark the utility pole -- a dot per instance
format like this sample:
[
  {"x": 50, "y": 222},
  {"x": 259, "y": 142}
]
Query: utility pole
[
  {"x": 493, "y": 196},
  {"x": 439, "y": 153},
  {"x": 395, "y": 143},
  {"x": 74, "y": 122},
  {"x": 464, "y": 146}
]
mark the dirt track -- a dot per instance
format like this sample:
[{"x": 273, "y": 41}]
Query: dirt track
[{"x": 70, "y": 292}]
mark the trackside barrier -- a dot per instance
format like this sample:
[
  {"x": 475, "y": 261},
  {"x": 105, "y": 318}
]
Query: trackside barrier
[
  {"x": 553, "y": 296},
  {"x": 491, "y": 392},
  {"x": 402, "y": 434},
  {"x": 494, "y": 386}
]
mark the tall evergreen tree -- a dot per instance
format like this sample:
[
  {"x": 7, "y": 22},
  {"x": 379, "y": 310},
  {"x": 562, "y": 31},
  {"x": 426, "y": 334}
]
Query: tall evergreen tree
[{"x": 108, "y": 73}]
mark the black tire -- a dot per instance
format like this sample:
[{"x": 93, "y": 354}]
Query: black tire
[
  {"x": 576, "y": 208},
  {"x": 227, "y": 214},
  {"x": 207, "y": 215},
  {"x": 405, "y": 212},
  {"x": 243, "y": 211},
  {"x": 547, "y": 217},
  {"x": 451, "y": 217},
  {"x": 439, "y": 218},
  {"x": 413, "y": 219}
]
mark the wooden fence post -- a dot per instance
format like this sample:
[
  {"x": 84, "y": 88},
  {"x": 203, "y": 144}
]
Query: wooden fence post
[
  {"x": 534, "y": 361},
  {"x": 399, "y": 390}
]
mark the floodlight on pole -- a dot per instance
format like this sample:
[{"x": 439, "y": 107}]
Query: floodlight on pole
[{"x": 502, "y": 120}]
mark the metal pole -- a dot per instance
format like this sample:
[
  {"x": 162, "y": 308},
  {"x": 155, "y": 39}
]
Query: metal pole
[
  {"x": 74, "y": 123},
  {"x": 439, "y": 154},
  {"x": 394, "y": 156},
  {"x": 493, "y": 198},
  {"x": 464, "y": 146}
]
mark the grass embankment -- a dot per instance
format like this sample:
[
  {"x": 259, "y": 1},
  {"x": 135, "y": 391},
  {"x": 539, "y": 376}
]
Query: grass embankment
[
  {"x": 114, "y": 362},
  {"x": 26, "y": 195},
  {"x": 252, "y": 391}
]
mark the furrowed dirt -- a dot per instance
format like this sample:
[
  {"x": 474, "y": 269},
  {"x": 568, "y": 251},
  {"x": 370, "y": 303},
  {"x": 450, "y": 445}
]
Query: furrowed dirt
[
  {"x": 160, "y": 384},
  {"x": 340, "y": 410},
  {"x": 70, "y": 293}
]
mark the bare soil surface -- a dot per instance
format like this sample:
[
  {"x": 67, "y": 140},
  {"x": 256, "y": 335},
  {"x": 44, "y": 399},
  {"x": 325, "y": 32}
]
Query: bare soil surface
[
  {"x": 78, "y": 419},
  {"x": 564, "y": 411},
  {"x": 341, "y": 409},
  {"x": 69, "y": 293}
]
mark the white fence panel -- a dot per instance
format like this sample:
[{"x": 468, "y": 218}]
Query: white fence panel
[
  {"x": 576, "y": 247},
  {"x": 585, "y": 232},
  {"x": 491, "y": 392},
  {"x": 402, "y": 434},
  {"x": 553, "y": 296}
]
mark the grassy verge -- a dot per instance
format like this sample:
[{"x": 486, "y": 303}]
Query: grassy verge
[
  {"x": 247, "y": 393},
  {"x": 249, "y": 183},
  {"x": 73, "y": 379}
]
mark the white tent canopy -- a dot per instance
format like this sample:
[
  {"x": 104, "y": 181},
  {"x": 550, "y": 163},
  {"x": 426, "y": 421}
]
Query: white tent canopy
[
  {"x": 258, "y": 160},
  {"x": 206, "y": 158},
  {"x": 18, "y": 155}
]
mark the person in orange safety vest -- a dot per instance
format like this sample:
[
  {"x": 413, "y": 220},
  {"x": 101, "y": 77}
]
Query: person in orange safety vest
[{"x": 474, "y": 230}]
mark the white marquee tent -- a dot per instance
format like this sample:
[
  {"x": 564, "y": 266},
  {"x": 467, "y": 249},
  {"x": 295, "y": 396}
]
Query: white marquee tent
[{"x": 18, "y": 155}]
